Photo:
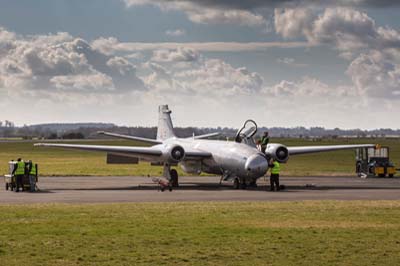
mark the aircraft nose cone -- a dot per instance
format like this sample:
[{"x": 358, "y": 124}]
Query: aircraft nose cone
[{"x": 257, "y": 165}]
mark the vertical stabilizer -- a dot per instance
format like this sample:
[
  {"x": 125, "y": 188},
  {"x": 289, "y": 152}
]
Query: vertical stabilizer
[{"x": 165, "y": 129}]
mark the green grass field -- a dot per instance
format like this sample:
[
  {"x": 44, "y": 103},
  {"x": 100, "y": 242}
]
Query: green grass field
[
  {"x": 71, "y": 162},
  {"x": 245, "y": 233}
]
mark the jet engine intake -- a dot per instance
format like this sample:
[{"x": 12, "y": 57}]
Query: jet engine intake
[
  {"x": 177, "y": 153},
  {"x": 278, "y": 152},
  {"x": 174, "y": 154}
]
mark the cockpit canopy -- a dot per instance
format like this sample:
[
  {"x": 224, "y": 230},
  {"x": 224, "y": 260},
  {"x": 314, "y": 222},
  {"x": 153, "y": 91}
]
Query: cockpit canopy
[{"x": 246, "y": 133}]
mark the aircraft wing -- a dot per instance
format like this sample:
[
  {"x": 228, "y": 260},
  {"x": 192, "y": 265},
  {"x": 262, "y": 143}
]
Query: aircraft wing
[
  {"x": 146, "y": 140},
  {"x": 148, "y": 153},
  {"x": 140, "y": 152},
  {"x": 314, "y": 149}
]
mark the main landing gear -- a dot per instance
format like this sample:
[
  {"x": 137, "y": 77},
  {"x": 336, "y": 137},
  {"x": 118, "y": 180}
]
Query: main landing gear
[
  {"x": 239, "y": 183},
  {"x": 174, "y": 178},
  {"x": 171, "y": 175}
]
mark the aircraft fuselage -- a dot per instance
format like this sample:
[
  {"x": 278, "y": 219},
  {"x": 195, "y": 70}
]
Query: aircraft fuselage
[{"x": 228, "y": 158}]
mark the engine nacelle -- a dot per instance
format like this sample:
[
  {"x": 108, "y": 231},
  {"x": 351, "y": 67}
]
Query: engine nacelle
[
  {"x": 174, "y": 153},
  {"x": 278, "y": 152}
]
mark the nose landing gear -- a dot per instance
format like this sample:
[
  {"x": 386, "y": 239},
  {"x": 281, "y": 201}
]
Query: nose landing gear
[{"x": 239, "y": 183}]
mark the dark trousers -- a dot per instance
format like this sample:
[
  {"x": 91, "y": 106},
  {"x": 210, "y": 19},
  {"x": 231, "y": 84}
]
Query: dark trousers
[
  {"x": 263, "y": 148},
  {"x": 18, "y": 181},
  {"x": 274, "y": 181}
]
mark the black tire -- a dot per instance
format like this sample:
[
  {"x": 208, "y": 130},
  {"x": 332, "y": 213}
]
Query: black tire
[
  {"x": 6, "y": 186},
  {"x": 253, "y": 183},
  {"x": 371, "y": 170},
  {"x": 174, "y": 178},
  {"x": 243, "y": 185},
  {"x": 236, "y": 183},
  {"x": 391, "y": 175},
  {"x": 381, "y": 175}
]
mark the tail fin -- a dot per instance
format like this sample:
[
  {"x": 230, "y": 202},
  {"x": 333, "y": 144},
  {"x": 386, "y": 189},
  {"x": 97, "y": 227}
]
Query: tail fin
[{"x": 165, "y": 129}]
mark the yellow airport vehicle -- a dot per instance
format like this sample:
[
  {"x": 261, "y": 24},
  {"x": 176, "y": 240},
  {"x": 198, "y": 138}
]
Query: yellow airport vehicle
[{"x": 374, "y": 162}]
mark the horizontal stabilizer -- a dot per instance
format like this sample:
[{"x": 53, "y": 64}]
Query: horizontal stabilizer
[
  {"x": 210, "y": 135},
  {"x": 115, "y": 135}
]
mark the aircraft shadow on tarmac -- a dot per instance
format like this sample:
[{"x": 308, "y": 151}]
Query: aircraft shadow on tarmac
[
  {"x": 39, "y": 191},
  {"x": 146, "y": 186},
  {"x": 223, "y": 187}
]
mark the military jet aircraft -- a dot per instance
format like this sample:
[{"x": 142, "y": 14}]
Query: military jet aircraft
[{"x": 239, "y": 161}]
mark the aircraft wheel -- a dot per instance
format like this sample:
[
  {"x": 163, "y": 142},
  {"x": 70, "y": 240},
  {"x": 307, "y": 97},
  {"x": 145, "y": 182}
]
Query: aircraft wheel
[
  {"x": 6, "y": 186},
  {"x": 371, "y": 170},
  {"x": 391, "y": 175},
  {"x": 236, "y": 183},
  {"x": 253, "y": 183},
  {"x": 243, "y": 185},
  {"x": 174, "y": 178},
  {"x": 381, "y": 175}
]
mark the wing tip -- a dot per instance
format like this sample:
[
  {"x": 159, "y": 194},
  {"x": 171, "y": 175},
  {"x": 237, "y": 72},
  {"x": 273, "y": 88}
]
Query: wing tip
[{"x": 39, "y": 144}]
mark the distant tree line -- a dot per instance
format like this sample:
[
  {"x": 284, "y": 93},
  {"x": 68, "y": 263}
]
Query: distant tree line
[
  {"x": 6, "y": 123},
  {"x": 89, "y": 130}
]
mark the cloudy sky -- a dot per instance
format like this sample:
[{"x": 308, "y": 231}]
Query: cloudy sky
[{"x": 215, "y": 62}]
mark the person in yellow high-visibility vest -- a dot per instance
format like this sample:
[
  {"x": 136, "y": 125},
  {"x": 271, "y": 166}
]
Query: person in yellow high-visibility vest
[
  {"x": 274, "y": 178},
  {"x": 19, "y": 172},
  {"x": 32, "y": 176},
  {"x": 264, "y": 141}
]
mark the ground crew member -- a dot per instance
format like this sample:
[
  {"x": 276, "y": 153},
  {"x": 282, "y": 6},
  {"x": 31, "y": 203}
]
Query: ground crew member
[
  {"x": 32, "y": 176},
  {"x": 19, "y": 172},
  {"x": 274, "y": 178},
  {"x": 264, "y": 141}
]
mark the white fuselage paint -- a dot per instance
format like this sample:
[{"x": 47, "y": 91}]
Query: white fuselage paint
[{"x": 228, "y": 158}]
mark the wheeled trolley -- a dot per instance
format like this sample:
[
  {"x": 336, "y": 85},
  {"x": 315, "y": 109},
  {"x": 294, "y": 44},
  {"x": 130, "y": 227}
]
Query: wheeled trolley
[{"x": 374, "y": 162}]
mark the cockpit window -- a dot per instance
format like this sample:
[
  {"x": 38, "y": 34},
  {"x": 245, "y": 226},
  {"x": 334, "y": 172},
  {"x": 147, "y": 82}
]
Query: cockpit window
[{"x": 246, "y": 133}]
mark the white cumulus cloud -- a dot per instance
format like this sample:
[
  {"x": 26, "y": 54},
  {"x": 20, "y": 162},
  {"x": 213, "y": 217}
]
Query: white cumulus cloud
[
  {"x": 53, "y": 62},
  {"x": 198, "y": 13},
  {"x": 181, "y": 54},
  {"x": 175, "y": 33},
  {"x": 377, "y": 74},
  {"x": 344, "y": 28}
]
